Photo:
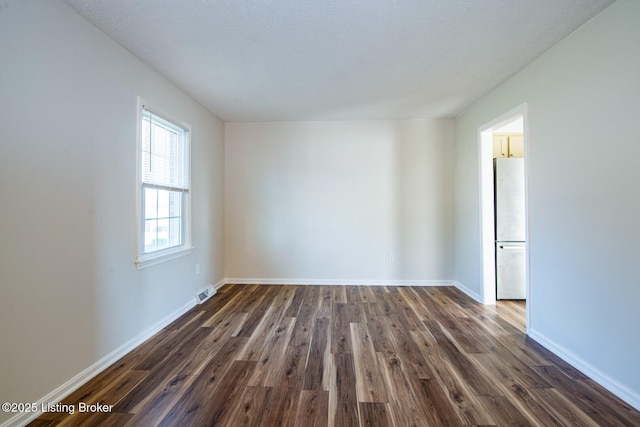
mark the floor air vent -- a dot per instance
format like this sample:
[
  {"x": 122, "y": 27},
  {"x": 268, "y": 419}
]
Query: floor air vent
[{"x": 205, "y": 294}]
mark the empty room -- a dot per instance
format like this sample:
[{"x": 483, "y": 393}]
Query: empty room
[{"x": 338, "y": 213}]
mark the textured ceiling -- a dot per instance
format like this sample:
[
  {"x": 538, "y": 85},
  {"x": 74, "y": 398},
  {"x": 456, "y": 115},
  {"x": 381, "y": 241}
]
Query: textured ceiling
[{"x": 267, "y": 60}]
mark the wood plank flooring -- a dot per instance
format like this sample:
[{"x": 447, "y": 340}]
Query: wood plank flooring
[{"x": 344, "y": 356}]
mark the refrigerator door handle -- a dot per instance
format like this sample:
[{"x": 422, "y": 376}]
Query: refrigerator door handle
[{"x": 510, "y": 247}]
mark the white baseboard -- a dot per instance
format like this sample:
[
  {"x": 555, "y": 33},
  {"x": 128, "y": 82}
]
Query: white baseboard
[
  {"x": 83, "y": 377},
  {"x": 469, "y": 292},
  {"x": 337, "y": 282},
  {"x": 631, "y": 397}
]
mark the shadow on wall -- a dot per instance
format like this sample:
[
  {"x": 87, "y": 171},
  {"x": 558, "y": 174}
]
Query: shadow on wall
[{"x": 423, "y": 200}]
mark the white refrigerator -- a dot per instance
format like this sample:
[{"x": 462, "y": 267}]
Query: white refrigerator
[{"x": 510, "y": 228}]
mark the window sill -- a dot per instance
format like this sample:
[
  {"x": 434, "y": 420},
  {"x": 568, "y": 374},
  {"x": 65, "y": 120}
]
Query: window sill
[{"x": 149, "y": 260}]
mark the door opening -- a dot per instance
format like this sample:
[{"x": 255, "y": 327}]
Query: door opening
[{"x": 505, "y": 258}]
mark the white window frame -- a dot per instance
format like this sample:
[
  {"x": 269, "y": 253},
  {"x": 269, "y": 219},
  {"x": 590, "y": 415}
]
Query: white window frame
[{"x": 143, "y": 259}]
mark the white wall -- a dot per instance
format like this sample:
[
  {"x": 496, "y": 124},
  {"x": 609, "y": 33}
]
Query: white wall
[
  {"x": 328, "y": 201},
  {"x": 584, "y": 202},
  {"x": 70, "y": 292}
]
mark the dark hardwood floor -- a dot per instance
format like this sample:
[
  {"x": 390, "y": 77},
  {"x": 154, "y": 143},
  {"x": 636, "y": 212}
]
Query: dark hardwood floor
[{"x": 344, "y": 356}]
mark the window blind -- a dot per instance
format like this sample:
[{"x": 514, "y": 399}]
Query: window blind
[{"x": 165, "y": 162}]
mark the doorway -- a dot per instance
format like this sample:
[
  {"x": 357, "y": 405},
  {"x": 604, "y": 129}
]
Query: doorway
[{"x": 495, "y": 136}]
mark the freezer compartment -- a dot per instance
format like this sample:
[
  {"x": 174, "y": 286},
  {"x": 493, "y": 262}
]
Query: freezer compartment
[{"x": 511, "y": 270}]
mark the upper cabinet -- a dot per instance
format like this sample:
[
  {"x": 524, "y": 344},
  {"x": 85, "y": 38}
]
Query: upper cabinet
[
  {"x": 516, "y": 145},
  {"x": 508, "y": 145},
  {"x": 500, "y": 146}
]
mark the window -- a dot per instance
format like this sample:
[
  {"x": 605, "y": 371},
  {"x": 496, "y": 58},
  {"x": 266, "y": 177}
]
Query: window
[{"x": 163, "y": 192}]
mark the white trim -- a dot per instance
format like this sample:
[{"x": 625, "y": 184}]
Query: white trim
[
  {"x": 218, "y": 285},
  {"x": 158, "y": 257},
  {"x": 337, "y": 282},
  {"x": 83, "y": 377},
  {"x": 470, "y": 293},
  {"x": 527, "y": 209},
  {"x": 487, "y": 215},
  {"x": 631, "y": 397}
]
